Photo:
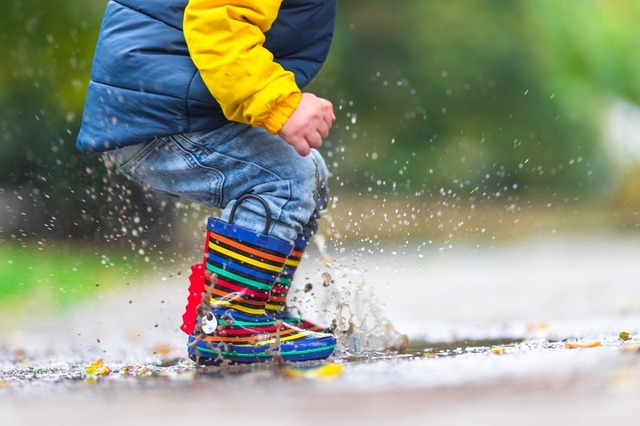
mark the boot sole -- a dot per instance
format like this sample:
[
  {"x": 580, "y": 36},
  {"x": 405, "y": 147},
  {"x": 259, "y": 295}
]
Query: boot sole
[{"x": 214, "y": 354}]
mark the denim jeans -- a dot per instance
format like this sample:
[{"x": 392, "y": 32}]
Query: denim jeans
[{"x": 215, "y": 168}]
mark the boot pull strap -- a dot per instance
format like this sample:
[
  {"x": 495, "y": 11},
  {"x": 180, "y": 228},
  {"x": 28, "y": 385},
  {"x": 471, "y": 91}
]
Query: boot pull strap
[{"x": 261, "y": 200}]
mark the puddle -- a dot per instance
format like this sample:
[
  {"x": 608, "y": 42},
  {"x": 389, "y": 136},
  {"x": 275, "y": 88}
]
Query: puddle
[
  {"x": 421, "y": 363},
  {"x": 423, "y": 348}
]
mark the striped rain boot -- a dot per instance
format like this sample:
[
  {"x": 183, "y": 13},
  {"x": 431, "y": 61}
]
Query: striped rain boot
[
  {"x": 277, "y": 304},
  {"x": 231, "y": 323}
]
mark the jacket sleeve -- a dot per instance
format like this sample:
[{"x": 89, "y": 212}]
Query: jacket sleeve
[{"x": 225, "y": 40}]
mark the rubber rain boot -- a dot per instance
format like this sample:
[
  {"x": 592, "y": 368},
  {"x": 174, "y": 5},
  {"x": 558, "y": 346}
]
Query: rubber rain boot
[{"x": 239, "y": 270}]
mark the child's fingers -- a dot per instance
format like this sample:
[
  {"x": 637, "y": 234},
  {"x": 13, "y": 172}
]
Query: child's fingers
[
  {"x": 323, "y": 129},
  {"x": 314, "y": 139},
  {"x": 330, "y": 117},
  {"x": 302, "y": 147}
]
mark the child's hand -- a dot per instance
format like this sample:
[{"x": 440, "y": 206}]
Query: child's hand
[{"x": 309, "y": 124}]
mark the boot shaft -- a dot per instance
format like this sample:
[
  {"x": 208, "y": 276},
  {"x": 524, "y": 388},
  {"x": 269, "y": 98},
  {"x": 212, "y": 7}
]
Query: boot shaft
[{"x": 246, "y": 264}]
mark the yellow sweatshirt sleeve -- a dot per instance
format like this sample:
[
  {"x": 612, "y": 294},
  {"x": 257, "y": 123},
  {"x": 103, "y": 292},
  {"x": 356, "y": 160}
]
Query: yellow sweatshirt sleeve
[{"x": 226, "y": 43}]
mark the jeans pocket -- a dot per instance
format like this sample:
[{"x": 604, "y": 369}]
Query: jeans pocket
[
  {"x": 168, "y": 166},
  {"x": 127, "y": 157}
]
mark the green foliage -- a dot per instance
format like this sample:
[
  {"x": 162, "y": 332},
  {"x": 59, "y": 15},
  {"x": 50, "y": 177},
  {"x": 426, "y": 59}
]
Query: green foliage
[
  {"x": 588, "y": 47},
  {"x": 47, "y": 53},
  {"x": 53, "y": 277},
  {"x": 47, "y": 48},
  {"x": 460, "y": 95}
]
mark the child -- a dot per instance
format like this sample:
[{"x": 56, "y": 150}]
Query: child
[{"x": 202, "y": 99}]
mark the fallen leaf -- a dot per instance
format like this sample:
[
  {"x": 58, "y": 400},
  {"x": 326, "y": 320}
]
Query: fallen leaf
[
  {"x": 578, "y": 345},
  {"x": 104, "y": 371},
  {"x": 327, "y": 371},
  {"x": 97, "y": 368},
  {"x": 497, "y": 350},
  {"x": 94, "y": 366}
]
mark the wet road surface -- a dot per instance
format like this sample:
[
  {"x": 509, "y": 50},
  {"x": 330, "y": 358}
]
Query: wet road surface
[{"x": 522, "y": 334}]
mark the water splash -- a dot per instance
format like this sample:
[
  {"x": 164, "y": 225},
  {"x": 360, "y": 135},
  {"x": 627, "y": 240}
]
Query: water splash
[{"x": 340, "y": 296}]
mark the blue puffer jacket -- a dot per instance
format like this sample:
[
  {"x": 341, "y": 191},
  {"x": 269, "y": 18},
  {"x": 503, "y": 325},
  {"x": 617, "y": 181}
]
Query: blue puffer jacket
[{"x": 144, "y": 84}]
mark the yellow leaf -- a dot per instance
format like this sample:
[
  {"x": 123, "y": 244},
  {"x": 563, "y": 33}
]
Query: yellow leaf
[
  {"x": 94, "y": 366},
  {"x": 104, "y": 371},
  {"x": 624, "y": 335},
  {"x": 497, "y": 350},
  {"x": 327, "y": 371},
  {"x": 578, "y": 345}
]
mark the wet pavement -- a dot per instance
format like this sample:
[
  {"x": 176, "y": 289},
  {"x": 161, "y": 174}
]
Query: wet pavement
[{"x": 526, "y": 333}]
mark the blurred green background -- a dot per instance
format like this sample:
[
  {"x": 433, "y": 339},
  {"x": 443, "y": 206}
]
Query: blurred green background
[{"x": 457, "y": 120}]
